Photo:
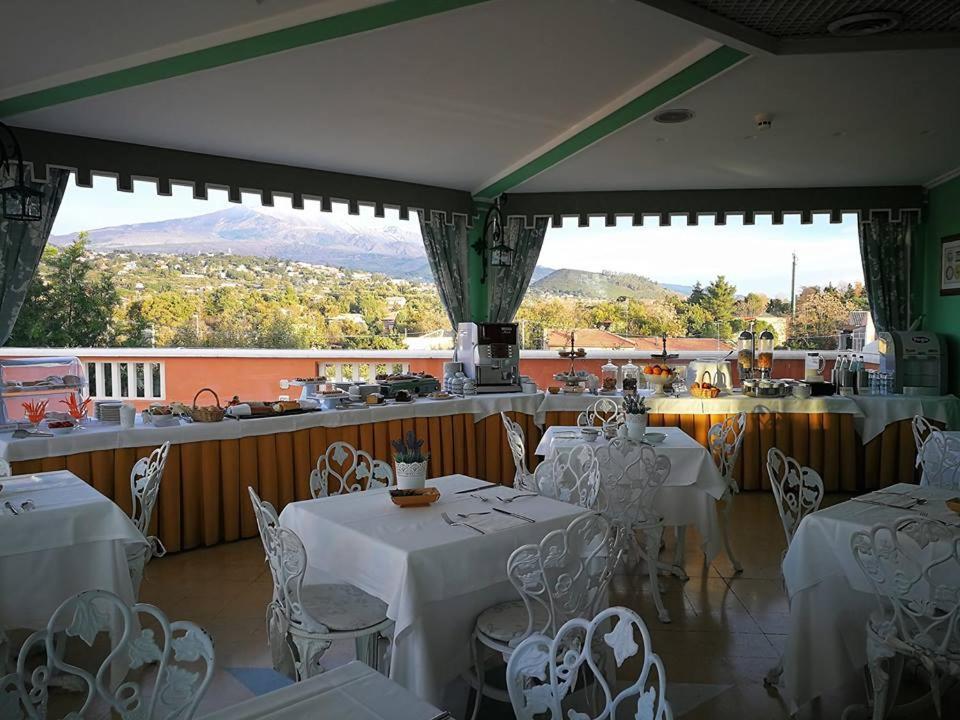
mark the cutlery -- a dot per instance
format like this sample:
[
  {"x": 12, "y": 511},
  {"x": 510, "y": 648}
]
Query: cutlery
[
  {"x": 472, "y": 490},
  {"x": 27, "y": 505},
  {"x": 441, "y": 716},
  {"x": 10, "y": 507},
  {"x": 454, "y": 523},
  {"x": 20, "y": 433},
  {"x": 471, "y": 514},
  {"x": 515, "y": 497},
  {"x": 516, "y": 515}
]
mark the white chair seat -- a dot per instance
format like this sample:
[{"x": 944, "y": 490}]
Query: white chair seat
[
  {"x": 509, "y": 620},
  {"x": 343, "y": 608}
]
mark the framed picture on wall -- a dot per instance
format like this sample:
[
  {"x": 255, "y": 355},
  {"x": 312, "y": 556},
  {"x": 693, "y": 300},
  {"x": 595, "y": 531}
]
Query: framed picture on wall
[{"x": 950, "y": 265}]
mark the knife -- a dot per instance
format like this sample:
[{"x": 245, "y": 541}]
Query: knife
[
  {"x": 476, "y": 489},
  {"x": 516, "y": 515}
]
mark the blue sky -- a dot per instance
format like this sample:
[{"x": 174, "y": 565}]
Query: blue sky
[{"x": 754, "y": 258}]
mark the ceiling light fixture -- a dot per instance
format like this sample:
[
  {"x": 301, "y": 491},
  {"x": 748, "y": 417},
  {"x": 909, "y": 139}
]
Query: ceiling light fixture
[
  {"x": 673, "y": 116},
  {"x": 863, "y": 24}
]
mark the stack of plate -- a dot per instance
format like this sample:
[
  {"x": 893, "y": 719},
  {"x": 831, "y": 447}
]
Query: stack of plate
[{"x": 107, "y": 410}]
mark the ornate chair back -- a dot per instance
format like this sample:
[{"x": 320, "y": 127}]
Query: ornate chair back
[
  {"x": 915, "y": 587},
  {"x": 5, "y": 469},
  {"x": 921, "y": 431},
  {"x": 631, "y": 475},
  {"x": 182, "y": 651},
  {"x": 939, "y": 456},
  {"x": 343, "y": 468},
  {"x": 798, "y": 490},
  {"x": 572, "y": 476},
  {"x": 604, "y": 411},
  {"x": 145, "y": 480},
  {"x": 542, "y": 672},
  {"x": 522, "y": 479},
  {"x": 725, "y": 440},
  {"x": 566, "y": 574}
]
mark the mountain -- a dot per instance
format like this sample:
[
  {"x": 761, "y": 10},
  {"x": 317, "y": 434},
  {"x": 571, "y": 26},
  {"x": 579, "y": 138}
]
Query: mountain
[
  {"x": 606, "y": 285},
  {"x": 320, "y": 238}
]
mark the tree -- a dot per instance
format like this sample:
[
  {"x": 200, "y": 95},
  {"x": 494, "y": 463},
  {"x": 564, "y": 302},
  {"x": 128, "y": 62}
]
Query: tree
[
  {"x": 720, "y": 302},
  {"x": 697, "y": 296},
  {"x": 778, "y": 307},
  {"x": 752, "y": 305},
  {"x": 820, "y": 315},
  {"x": 69, "y": 304}
]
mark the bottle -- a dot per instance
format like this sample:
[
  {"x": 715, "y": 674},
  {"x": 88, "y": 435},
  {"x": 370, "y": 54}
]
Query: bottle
[
  {"x": 838, "y": 371},
  {"x": 863, "y": 377},
  {"x": 854, "y": 373}
]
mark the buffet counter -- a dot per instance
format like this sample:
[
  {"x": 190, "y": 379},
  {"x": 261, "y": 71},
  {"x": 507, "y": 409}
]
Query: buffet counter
[{"x": 855, "y": 443}]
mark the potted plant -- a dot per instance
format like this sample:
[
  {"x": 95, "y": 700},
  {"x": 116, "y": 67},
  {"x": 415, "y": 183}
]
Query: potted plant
[
  {"x": 410, "y": 462},
  {"x": 635, "y": 412}
]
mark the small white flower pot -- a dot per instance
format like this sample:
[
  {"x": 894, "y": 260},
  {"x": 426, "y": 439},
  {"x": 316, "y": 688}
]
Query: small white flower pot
[
  {"x": 636, "y": 427},
  {"x": 411, "y": 476}
]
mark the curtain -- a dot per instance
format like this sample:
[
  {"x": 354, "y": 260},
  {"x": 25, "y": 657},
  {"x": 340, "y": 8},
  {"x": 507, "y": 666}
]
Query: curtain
[
  {"x": 22, "y": 246},
  {"x": 447, "y": 249},
  {"x": 884, "y": 250},
  {"x": 508, "y": 284}
]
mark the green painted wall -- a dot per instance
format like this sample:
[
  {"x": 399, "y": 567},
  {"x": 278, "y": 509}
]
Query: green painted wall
[{"x": 942, "y": 312}]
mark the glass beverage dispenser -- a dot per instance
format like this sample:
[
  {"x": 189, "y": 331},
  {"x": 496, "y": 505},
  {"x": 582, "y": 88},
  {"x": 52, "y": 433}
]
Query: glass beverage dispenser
[
  {"x": 609, "y": 378},
  {"x": 764, "y": 359},
  {"x": 745, "y": 348}
]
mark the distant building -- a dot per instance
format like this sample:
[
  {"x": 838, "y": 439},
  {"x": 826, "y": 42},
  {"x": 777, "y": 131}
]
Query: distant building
[
  {"x": 436, "y": 340},
  {"x": 355, "y": 318},
  {"x": 858, "y": 331}
]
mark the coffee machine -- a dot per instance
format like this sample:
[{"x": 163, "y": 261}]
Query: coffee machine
[{"x": 490, "y": 355}]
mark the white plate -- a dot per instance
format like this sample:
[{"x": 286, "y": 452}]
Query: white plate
[{"x": 654, "y": 438}]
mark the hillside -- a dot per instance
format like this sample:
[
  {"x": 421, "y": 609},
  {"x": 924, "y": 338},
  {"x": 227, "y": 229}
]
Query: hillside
[
  {"x": 602, "y": 285},
  {"x": 317, "y": 238}
]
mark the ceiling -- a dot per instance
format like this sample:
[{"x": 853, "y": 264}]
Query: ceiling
[{"x": 461, "y": 98}]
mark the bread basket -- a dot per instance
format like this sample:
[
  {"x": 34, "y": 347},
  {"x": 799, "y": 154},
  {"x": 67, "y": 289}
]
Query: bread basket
[{"x": 208, "y": 413}]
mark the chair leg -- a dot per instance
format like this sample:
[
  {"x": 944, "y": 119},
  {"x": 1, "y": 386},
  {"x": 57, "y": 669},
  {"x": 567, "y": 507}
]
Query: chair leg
[
  {"x": 367, "y": 647},
  {"x": 727, "y": 508},
  {"x": 650, "y": 556},
  {"x": 309, "y": 652},
  {"x": 478, "y": 668},
  {"x": 879, "y": 679}
]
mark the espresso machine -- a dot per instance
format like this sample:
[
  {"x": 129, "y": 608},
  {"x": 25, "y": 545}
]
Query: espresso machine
[{"x": 490, "y": 355}]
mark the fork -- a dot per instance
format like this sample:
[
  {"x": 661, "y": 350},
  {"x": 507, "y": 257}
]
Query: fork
[{"x": 454, "y": 523}]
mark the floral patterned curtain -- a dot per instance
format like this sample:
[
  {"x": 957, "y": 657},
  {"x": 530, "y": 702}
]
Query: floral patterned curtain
[
  {"x": 508, "y": 283},
  {"x": 884, "y": 250},
  {"x": 22, "y": 246},
  {"x": 447, "y": 248}
]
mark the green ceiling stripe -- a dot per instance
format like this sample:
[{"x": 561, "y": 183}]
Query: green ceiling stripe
[
  {"x": 699, "y": 72},
  {"x": 351, "y": 23}
]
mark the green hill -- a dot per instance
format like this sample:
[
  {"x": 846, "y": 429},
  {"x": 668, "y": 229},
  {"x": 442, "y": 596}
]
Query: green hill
[{"x": 600, "y": 285}]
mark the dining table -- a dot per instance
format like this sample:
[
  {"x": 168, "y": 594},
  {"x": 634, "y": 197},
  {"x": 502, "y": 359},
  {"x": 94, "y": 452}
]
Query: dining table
[
  {"x": 435, "y": 577},
  {"x": 59, "y": 536},
  {"x": 830, "y": 596},
  {"x": 689, "y": 495},
  {"x": 353, "y": 691}
]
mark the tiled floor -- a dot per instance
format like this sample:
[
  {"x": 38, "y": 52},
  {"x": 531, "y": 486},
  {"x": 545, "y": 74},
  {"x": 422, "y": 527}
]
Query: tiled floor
[{"x": 727, "y": 630}]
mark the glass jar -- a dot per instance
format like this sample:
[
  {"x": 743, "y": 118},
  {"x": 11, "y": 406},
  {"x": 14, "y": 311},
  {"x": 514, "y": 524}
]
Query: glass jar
[
  {"x": 765, "y": 354},
  {"x": 745, "y": 355},
  {"x": 629, "y": 377},
  {"x": 609, "y": 377}
]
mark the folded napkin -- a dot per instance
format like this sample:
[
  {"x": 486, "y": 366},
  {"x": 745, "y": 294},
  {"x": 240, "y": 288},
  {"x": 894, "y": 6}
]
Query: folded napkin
[
  {"x": 494, "y": 522},
  {"x": 241, "y": 410}
]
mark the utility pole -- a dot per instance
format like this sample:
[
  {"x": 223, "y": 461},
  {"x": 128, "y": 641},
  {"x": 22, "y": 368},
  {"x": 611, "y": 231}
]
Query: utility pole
[{"x": 793, "y": 288}]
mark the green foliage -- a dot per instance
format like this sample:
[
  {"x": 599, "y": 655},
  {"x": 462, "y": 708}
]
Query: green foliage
[
  {"x": 69, "y": 303},
  {"x": 821, "y": 312},
  {"x": 778, "y": 307}
]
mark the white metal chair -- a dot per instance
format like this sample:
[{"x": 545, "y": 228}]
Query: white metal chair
[
  {"x": 306, "y": 619},
  {"x": 919, "y": 604},
  {"x": 572, "y": 476},
  {"x": 938, "y": 454},
  {"x": 604, "y": 411},
  {"x": 5, "y": 469},
  {"x": 182, "y": 651},
  {"x": 563, "y": 576},
  {"x": 724, "y": 442},
  {"x": 522, "y": 478},
  {"x": 145, "y": 477},
  {"x": 543, "y": 671},
  {"x": 631, "y": 476},
  {"x": 798, "y": 491},
  {"x": 350, "y": 469}
]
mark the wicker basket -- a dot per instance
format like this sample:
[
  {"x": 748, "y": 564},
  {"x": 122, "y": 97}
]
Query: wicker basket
[{"x": 206, "y": 414}]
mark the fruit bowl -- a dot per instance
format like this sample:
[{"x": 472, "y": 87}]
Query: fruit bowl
[{"x": 658, "y": 377}]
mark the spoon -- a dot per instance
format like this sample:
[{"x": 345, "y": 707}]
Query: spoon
[{"x": 11, "y": 508}]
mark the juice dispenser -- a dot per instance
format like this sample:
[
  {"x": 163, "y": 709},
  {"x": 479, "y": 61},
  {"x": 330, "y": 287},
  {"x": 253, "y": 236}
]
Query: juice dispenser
[
  {"x": 764, "y": 359},
  {"x": 745, "y": 350}
]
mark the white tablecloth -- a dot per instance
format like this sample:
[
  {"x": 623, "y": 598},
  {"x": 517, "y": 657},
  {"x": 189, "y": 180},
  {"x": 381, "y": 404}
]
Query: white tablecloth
[
  {"x": 434, "y": 578},
  {"x": 830, "y": 598},
  {"x": 109, "y": 436},
  {"x": 351, "y": 692},
  {"x": 691, "y": 491},
  {"x": 74, "y": 540},
  {"x": 879, "y": 411}
]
